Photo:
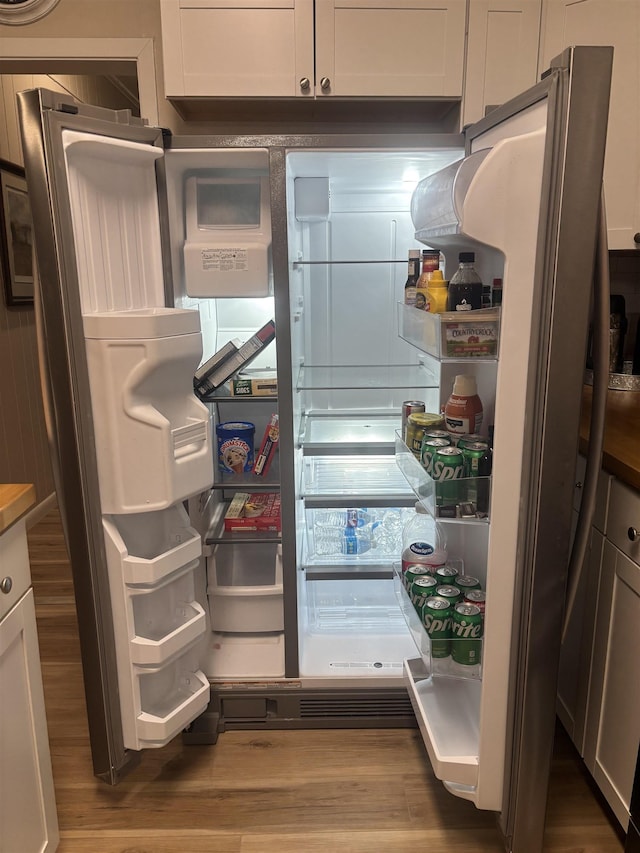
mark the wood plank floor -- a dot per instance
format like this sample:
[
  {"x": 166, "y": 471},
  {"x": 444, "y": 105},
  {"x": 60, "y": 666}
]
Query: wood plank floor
[{"x": 343, "y": 791}]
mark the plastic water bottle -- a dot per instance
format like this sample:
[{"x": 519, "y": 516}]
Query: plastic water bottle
[{"x": 423, "y": 541}]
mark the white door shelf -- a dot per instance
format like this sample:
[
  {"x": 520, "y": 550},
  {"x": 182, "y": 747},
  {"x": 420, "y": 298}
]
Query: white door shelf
[
  {"x": 152, "y": 545},
  {"x": 433, "y": 666},
  {"x": 448, "y": 712},
  {"x": 158, "y": 622},
  {"x": 169, "y": 698},
  {"x": 456, "y": 336},
  {"x": 165, "y": 618},
  {"x": 431, "y": 494}
]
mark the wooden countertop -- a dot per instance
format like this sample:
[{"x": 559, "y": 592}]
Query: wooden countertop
[
  {"x": 15, "y": 500},
  {"x": 621, "y": 452}
]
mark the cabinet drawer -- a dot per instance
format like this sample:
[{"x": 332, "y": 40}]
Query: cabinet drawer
[
  {"x": 624, "y": 516},
  {"x": 14, "y": 564},
  {"x": 602, "y": 494}
]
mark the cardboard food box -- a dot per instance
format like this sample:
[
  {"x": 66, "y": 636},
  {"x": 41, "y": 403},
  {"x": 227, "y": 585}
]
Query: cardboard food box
[
  {"x": 259, "y": 511},
  {"x": 264, "y": 385},
  {"x": 470, "y": 334}
]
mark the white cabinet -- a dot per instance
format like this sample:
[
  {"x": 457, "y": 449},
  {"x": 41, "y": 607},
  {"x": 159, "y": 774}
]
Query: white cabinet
[
  {"x": 295, "y": 48},
  {"x": 502, "y": 53},
  {"x": 617, "y": 23},
  {"x": 28, "y": 820},
  {"x": 613, "y": 721}
]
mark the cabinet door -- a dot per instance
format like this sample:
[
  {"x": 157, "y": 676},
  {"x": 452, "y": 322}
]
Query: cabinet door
[
  {"x": 577, "y": 648},
  {"x": 28, "y": 820},
  {"x": 617, "y": 23},
  {"x": 380, "y": 48},
  {"x": 613, "y": 724},
  {"x": 237, "y": 48},
  {"x": 502, "y": 53}
]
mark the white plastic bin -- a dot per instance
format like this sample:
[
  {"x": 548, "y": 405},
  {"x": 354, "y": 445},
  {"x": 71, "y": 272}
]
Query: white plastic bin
[
  {"x": 159, "y": 627},
  {"x": 165, "y": 618},
  {"x": 169, "y": 697},
  {"x": 245, "y": 588},
  {"x": 153, "y": 437},
  {"x": 149, "y": 546}
]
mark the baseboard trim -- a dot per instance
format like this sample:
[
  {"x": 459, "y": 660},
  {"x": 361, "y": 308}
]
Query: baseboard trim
[{"x": 40, "y": 510}]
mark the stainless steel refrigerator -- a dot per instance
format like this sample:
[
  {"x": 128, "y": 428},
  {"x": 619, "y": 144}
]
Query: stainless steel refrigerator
[{"x": 154, "y": 253}]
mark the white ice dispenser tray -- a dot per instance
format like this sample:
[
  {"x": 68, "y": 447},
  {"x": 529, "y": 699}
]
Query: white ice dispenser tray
[
  {"x": 152, "y": 558},
  {"x": 153, "y": 437}
]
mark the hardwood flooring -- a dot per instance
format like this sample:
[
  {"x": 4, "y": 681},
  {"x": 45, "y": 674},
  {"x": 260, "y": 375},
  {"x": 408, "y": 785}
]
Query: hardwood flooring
[{"x": 339, "y": 791}]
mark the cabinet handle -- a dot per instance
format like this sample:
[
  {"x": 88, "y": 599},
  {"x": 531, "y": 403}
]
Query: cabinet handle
[
  {"x": 636, "y": 237},
  {"x": 5, "y": 585},
  {"x": 305, "y": 84},
  {"x": 578, "y": 484},
  {"x": 632, "y": 533},
  {"x": 325, "y": 84}
]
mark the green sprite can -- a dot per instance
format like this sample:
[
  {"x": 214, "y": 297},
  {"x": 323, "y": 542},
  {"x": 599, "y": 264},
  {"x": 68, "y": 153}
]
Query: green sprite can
[
  {"x": 412, "y": 572},
  {"x": 466, "y": 634},
  {"x": 450, "y": 592},
  {"x": 428, "y": 451},
  {"x": 447, "y": 574},
  {"x": 437, "y": 433},
  {"x": 436, "y": 618},
  {"x": 473, "y": 451},
  {"x": 422, "y": 588},
  {"x": 470, "y": 438},
  {"x": 447, "y": 470},
  {"x": 466, "y": 583}
]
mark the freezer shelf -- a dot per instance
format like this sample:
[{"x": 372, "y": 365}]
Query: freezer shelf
[
  {"x": 470, "y": 490},
  {"x": 450, "y": 336}
]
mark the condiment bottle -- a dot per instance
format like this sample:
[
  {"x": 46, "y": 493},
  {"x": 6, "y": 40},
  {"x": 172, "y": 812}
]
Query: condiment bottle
[
  {"x": 463, "y": 410},
  {"x": 437, "y": 293},
  {"x": 413, "y": 274},
  {"x": 465, "y": 287},
  {"x": 430, "y": 263}
]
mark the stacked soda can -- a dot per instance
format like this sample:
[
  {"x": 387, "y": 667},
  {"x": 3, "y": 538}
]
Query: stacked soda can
[
  {"x": 460, "y": 468},
  {"x": 452, "y": 612}
]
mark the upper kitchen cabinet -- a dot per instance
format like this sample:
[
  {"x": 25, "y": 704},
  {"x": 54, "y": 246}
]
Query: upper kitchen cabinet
[
  {"x": 286, "y": 49},
  {"x": 617, "y": 23},
  {"x": 502, "y": 53}
]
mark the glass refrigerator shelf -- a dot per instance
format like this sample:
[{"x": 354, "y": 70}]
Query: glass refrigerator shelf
[
  {"x": 348, "y": 434},
  {"x": 364, "y": 377}
]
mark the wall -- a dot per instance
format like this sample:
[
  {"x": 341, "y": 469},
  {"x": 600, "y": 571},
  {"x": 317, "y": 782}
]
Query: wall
[{"x": 24, "y": 450}]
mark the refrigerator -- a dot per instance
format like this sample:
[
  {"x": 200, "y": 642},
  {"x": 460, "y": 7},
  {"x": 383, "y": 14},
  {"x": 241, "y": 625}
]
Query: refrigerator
[{"x": 154, "y": 253}]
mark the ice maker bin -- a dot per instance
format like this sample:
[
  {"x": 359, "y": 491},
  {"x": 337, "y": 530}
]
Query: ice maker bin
[{"x": 153, "y": 437}]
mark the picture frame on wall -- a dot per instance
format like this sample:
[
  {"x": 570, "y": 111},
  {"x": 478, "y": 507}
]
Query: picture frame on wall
[{"x": 16, "y": 235}]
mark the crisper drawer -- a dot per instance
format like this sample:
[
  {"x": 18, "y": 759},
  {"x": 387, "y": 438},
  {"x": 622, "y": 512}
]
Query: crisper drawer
[{"x": 245, "y": 588}]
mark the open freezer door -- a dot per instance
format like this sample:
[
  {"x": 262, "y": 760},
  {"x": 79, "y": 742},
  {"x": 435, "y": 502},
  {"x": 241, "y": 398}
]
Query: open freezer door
[
  {"x": 529, "y": 193},
  {"x": 130, "y": 440}
]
